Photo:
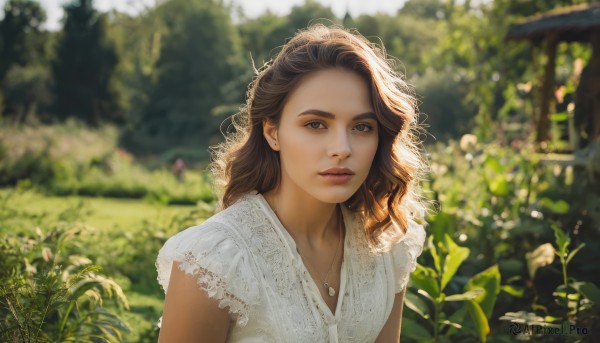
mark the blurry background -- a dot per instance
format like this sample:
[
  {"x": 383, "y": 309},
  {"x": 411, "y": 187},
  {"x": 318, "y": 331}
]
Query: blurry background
[{"x": 107, "y": 111}]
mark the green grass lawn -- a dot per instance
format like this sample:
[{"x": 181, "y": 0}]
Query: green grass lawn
[{"x": 103, "y": 213}]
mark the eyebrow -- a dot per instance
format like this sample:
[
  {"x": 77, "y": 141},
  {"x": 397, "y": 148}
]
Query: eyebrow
[{"x": 329, "y": 115}]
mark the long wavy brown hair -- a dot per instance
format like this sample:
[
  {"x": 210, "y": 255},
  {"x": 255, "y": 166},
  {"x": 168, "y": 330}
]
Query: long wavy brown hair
[{"x": 244, "y": 162}]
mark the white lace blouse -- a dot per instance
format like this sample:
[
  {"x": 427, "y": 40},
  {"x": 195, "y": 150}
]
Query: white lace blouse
[{"x": 246, "y": 259}]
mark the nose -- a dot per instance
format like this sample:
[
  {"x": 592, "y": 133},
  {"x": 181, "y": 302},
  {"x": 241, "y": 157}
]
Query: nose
[{"x": 340, "y": 145}]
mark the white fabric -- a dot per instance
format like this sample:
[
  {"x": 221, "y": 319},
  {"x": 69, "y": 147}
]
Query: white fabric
[{"x": 245, "y": 258}]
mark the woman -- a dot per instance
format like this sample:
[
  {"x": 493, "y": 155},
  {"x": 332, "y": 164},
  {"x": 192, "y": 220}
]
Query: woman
[{"x": 318, "y": 231}]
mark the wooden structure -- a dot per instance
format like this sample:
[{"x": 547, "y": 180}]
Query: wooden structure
[{"x": 580, "y": 23}]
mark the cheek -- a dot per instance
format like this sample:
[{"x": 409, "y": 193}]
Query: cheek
[
  {"x": 298, "y": 154},
  {"x": 368, "y": 149},
  {"x": 298, "y": 142}
]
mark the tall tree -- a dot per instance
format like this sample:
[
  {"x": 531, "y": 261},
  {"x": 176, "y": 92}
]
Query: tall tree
[
  {"x": 311, "y": 12},
  {"x": 256, "y": 35},
  {"x": 200, "y": 69},
  {"x": 84, "y": 67},
  {"x": 425, "y": 9},
  {"x": 137, "y": 40},
  {"x": 261, "y": 36},
  {"x": 22, "y": 20},
  {"x": 24, "y": 76}
]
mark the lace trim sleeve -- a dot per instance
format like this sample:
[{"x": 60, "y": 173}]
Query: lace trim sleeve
[
  {"x": 210, "y": 253},
  {"x": 405, "y": 253}
]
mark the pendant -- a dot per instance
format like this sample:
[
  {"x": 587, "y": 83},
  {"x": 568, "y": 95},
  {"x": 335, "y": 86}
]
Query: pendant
[{"x": 330, "y": 290}]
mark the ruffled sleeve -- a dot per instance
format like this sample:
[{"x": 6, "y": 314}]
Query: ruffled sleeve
[
  {"x": 405, "y": 252},
  {"x": 216, "y": 256}
]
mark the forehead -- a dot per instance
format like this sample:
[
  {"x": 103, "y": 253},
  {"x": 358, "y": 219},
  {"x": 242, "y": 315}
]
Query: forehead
[{"x": 338, "y": 91}]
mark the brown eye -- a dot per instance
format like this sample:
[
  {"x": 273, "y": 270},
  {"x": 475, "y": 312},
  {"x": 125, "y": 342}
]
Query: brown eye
[
  {"x": 313, "y": 125},
  {"x": 364, "y": 127}
]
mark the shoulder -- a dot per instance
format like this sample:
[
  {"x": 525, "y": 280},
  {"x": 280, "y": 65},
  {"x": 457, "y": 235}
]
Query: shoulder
[
  {"x": 226, "y": 225},
  {"x": 415, "y": 235},
  {"x": 215, "y": 249},
  {"x": 215, "y": 253},
  {"x": 411, "y": 242},
  {"x": 239, "y": 217},
  {"x": 405, "y": 252}
]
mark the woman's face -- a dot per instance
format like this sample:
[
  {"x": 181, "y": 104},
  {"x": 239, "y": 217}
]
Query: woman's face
[{"x": 327, "y": 122}]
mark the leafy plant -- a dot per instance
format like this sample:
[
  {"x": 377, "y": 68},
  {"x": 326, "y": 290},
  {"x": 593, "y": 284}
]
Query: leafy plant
[
  {"x": 478, "y": 296},
  {"x": 51, "y": 292},
  {"x": 579, "y": 302}
]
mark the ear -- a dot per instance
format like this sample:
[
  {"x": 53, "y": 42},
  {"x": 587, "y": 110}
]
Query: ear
[{"x": 270, "y": 134}]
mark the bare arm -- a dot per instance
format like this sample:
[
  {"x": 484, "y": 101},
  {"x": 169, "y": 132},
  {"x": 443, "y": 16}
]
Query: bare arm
[
  {"x": 391, "y": 330},
  {"x": 189, "y": 315}
]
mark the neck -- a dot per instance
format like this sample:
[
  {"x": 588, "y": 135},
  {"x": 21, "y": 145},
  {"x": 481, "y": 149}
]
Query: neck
[{"x": 306, "y": 218}]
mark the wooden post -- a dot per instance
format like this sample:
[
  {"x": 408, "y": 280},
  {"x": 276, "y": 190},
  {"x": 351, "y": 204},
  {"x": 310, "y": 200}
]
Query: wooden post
[{"x": 543, "y": 122}]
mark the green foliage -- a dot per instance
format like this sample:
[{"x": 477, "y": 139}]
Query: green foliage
[
  {"x": 138, "y": 264},
  {"x": 501, "y": 199},
  {"x": 478, "y": 296},
  {"x": 502, "y": 204},
  {"x": 579, "y": 302},
  {"x": 257, "y": 36},
  {"x": 137, "y": 41},
  {"x": 174, "y": 72},
  {"x": 18, "y": 32},
  {"x": 24, "y": 72},
  {"x": 425, "y": 9},
  {"x": 125, "y": 247},
  {"x": 50, "y": 291},
  {"x": 301, "y": 16},
  {"x": 443, "y": 92},
  {"x": 53, "y": 159},
  {"x": 263, "y": 36},
  {"x": 195, "y": 74},
  {"x": 27, "y": 89},
  {"x": 84, "y": 66},
  {"x": 563, "y": 291}
]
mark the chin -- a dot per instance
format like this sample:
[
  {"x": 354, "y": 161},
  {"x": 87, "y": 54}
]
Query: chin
[{"x": 335, "y": 196}]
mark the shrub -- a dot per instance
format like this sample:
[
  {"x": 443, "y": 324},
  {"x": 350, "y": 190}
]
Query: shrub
[
  {"x": 71, "y": 160},
  {"x": 50, "y": 292}
]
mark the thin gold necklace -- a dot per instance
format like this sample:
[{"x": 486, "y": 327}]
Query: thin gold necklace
[{"x": 328, "y": 288}]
